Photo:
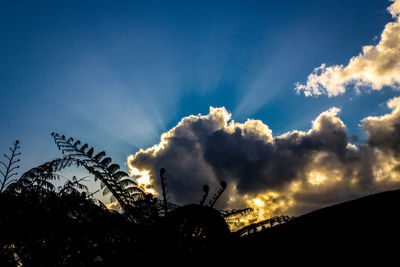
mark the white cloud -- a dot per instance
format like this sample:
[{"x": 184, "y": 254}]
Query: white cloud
[{"x": 375, "y": 67}]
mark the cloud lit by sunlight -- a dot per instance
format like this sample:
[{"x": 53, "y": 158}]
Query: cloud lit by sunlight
[
  {"x": 142, "y": 178},
  {"x": 316, "y": 178},
  {"x": 375, "y": 67},
  {"x": 287, "y": 174}
]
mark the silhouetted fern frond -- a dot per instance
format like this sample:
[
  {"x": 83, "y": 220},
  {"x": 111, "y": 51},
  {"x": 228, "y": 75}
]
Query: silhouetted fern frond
[
  {"x": 235, "y": 212},
  {"x": 100, "y": 155},
  {"x": 99, "y": 165},
  {"x": 105, "y": 162},
  {"x": 10, "y": 166},
  {"x": 113, "y": 168},
  {"x": 72, "y": 186},
  {"x": 38, "y": 178}
]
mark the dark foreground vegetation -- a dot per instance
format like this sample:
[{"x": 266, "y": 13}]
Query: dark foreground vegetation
[{"x": 45, "y": 225}]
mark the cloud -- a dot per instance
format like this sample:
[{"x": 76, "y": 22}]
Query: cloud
[
  {"x": 291, "y": 173},
  {"x": 376, "y": 66}
]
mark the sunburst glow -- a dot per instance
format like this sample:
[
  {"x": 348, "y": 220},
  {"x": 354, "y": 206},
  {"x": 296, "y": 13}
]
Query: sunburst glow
[
  {"x": 316, "y": 178},
  {"x": 143, "y": 178},
  {"x": 265, "y": 206}
]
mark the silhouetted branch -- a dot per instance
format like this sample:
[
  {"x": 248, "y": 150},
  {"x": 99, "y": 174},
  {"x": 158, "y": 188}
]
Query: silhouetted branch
[
  {"x": 255, "y": 227},
  {"x": 164, "y": 191},
  {"x": 206, "y": 189},
  {"x": 235, "y": 212},
  {"x": 9, "y": 167},
  {"x": 218, "y": 194}
]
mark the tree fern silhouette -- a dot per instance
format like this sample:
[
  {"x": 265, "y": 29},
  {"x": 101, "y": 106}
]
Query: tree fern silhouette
[
  {"x": 73, "y": 186},
  {"x": 39, "y": 178},
  {"x": 9, "y": 172},
  {"x": 112, "y": 180}
]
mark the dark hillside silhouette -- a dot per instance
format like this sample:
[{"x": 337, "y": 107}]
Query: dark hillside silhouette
[{"x": 360, "y": 230}]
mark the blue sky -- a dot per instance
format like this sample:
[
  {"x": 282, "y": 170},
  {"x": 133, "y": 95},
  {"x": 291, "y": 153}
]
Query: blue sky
[{"x": 117, "y": 74}]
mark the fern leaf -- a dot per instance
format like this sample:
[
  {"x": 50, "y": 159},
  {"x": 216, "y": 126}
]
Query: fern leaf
[
  {"x": 106, "y": 191},
  {"x": 105, "y": 162},
  {"x": 77, "y": 143},
  {"x": 113, "y": 168},
  {"x": 133, "y": 190},
  {"x": 119, "y": 174},
  {"x": 90, "y": 152},
  {"x": 47, "y": 185},
  {"x": 100, "y": 155},
  {"x": 127, "y": 182},
  {"x": 84, "y": 147}
]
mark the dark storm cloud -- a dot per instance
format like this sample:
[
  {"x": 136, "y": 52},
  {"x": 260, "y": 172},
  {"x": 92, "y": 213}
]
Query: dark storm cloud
[
  {"x": 301, "y": 170},
  {"x": 256, "y": 164}
]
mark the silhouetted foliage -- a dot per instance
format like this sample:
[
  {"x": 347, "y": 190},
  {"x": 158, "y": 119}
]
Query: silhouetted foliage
[
  {"x": 73, "y": 186},
  {"x": 218, "y": 194},
  {"x": 9, "y": 166},
  {"x": 40, "y": 177},
  {"x": 112, "y": 180},
  {"x": 50, "y": 229},
  {"x": 206, "y": 189},
  {"x": 48, "y": 225}
]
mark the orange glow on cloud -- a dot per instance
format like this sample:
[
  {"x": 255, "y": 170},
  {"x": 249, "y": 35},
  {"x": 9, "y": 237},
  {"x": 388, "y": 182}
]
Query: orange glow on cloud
[{"x": 143, "y": 178}]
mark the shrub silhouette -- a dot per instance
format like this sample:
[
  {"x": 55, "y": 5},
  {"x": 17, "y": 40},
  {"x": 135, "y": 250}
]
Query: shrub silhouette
[{"x": 66, "y": 226}]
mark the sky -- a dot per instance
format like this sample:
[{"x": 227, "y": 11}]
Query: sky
[{"x": 119, "y": 74}]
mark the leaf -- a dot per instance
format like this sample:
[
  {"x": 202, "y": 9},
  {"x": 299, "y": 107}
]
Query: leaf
[
  {"x": 112, "y": 198},
  {"x": 84, "y": 147},
  {"x": 102, "y": 184},
  {"x": 47, "y": 185},
  {"x": 133, "y": 190},
  {"x": 119, "y": 174},
  {"x": 100, "y": 155},
  {"x": 106, "y": 191},
  {"x": 113, "y": 168},
  {"x": 105, "y": 162},
  {"x": 90, "y": 152},
  {"x": 127, "y": 182},
  {"x": 77, "y": 143}
]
